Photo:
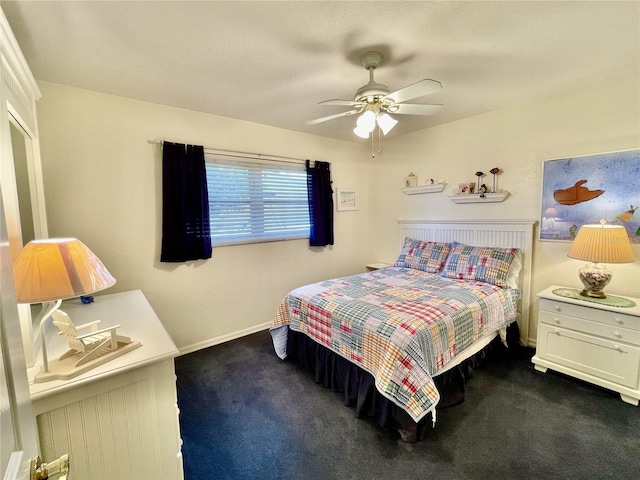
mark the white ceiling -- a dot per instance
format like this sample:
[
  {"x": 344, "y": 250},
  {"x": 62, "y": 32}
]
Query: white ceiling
[{"x": 272, "y": 62}]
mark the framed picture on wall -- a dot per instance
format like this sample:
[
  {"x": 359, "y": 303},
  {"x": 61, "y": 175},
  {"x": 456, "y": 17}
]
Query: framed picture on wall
[
  {"x": 347, "y": 199},
  {"x": 586, "y": 189}
]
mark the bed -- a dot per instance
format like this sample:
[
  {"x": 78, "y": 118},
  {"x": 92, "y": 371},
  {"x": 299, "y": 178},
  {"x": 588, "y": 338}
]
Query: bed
[{"x": 401, "y": 342}]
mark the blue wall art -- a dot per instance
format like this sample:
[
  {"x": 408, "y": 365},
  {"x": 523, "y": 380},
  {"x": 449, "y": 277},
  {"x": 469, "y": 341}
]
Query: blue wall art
[{"x": 583, "y": 190}]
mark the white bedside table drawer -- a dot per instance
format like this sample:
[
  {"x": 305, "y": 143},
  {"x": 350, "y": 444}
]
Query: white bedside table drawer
[
  {"x": 589, "y": 311},
  {"x": 616, "y": 362},
  {"x": 611, "y": 332}
]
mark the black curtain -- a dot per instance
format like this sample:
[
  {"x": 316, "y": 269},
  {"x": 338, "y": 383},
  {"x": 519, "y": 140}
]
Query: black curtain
[
  {"x": 320, "y": 204},
  {"x": 186, "y": 232}
]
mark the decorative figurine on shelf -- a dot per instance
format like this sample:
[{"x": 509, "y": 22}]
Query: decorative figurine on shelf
[
  {"x": 495, "y": 171},
  {"x": 479, "y": 175},
  {"x": 412, "y": 180},
  {"x": 465, "y": 188},
  {"x": 482, "y": 190},
  {"x": 434, "y": 181}
]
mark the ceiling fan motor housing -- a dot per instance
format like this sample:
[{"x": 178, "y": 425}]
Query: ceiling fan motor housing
[{"x": 371, "y": 92}]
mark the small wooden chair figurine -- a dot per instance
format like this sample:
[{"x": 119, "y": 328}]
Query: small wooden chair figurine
[{"x": 90, "y": 345}]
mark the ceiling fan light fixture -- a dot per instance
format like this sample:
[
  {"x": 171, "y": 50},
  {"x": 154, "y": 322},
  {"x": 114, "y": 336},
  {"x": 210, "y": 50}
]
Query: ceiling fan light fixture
[
  {"x": 386, "y": 122},
  {"x": 367, "y": 121},
  {"x": 365, "y": 124},
  {"x": 361, "y": 132}
]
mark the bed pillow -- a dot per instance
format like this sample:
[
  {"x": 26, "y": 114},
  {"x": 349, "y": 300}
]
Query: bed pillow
[
  {"x": 486, "y": 264},
  {"x": 426, "y": 256},
  {"x": 514, "y": 272}
]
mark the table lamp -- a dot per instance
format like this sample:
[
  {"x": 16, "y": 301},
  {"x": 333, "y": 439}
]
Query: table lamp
[
  {"x": 50, "y": 270},
  {"x": 600, "y": 244}
]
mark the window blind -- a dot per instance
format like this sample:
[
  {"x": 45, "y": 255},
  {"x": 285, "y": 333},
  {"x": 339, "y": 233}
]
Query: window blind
[{"x": 252, "y": 200}]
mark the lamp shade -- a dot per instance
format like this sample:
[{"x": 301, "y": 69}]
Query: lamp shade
[
  {"x": 386, "y": 122},
  {"x": 367, "y": 121},
  {"x": 55, "y": 269},
  {"x": 361, "y": 132},
  {"x": 602, "y": 244}
]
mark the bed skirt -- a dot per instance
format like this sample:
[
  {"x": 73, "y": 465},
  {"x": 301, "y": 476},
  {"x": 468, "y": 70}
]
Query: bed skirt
[{"x": 358, "y": 388}]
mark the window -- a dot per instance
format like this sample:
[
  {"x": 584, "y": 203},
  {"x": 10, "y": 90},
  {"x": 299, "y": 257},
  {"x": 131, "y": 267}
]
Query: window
[{"x": 256, "y": 200}]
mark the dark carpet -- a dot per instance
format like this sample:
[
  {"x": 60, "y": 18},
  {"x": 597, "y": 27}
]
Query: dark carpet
[{"x": 245, "y": 414}]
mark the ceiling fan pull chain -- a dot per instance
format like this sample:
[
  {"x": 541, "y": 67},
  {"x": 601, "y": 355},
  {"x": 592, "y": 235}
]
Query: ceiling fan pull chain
[{"x": 372, "y": 152}]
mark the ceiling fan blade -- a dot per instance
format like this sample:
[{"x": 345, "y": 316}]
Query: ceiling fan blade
[
  {"x": 348, "y": 103},
  {"x": 414, "y": 109},
  {"x": 330, "y": 117},
  {"x": 418, "y": 89}
]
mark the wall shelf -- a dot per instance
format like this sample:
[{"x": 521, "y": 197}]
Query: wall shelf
[
  {"x": 433, "y": 188},
  {"x": 476, "y": 198}
]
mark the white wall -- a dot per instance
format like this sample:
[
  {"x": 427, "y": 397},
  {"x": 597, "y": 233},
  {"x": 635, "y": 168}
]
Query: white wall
[
  {"x": 102, "y": 181},
  {"x": 103, "y": 186},
  {"x": 594, "y": 118}
]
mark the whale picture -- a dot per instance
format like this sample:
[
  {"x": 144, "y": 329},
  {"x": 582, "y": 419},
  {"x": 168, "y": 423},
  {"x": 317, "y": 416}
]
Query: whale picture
[{"x": 587, "y": 189}]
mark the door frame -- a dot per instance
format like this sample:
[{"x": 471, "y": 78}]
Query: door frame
[{"x": 18, "y": 95}]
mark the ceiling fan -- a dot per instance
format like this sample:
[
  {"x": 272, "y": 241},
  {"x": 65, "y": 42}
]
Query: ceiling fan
[{"x": 375, "y": 103}]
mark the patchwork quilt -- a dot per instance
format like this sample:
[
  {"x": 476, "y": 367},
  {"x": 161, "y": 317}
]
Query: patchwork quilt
[{"x": 402, "y": 325}]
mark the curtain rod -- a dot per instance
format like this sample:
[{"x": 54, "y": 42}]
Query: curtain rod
[{"x": 233, "y": 153}]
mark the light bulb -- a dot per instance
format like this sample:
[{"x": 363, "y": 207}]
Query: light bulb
[{"x": 386, "y": 122}]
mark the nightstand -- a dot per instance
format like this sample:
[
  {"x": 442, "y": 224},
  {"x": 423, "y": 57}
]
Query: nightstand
[
  {"x": 376, "y": 266},
  {"x": 119, "y": 419},
  {"x": 590, "y": 340}
]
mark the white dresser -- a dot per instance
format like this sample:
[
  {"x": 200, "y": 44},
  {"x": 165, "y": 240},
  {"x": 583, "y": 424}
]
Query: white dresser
[
  {"x": 118, "y": 420},
  {"x": 592, "y": 341}
]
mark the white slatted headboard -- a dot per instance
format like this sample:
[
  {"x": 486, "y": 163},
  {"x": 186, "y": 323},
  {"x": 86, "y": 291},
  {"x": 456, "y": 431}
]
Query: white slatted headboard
[{"x": 486, "y": 233}]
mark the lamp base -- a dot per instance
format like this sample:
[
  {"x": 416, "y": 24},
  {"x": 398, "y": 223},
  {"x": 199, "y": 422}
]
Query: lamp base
[
  {"x": 587, "y": 293},
  {"x": 594, "y": 277}
]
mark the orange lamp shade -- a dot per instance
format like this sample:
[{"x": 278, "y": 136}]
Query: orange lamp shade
[
  {"x": 55, "y": 269},
  {"x": 602, "y": 244}
]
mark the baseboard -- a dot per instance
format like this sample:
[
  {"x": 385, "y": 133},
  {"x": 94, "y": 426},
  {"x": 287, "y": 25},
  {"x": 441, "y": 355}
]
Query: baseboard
[{"x": 223, "y": 338}]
